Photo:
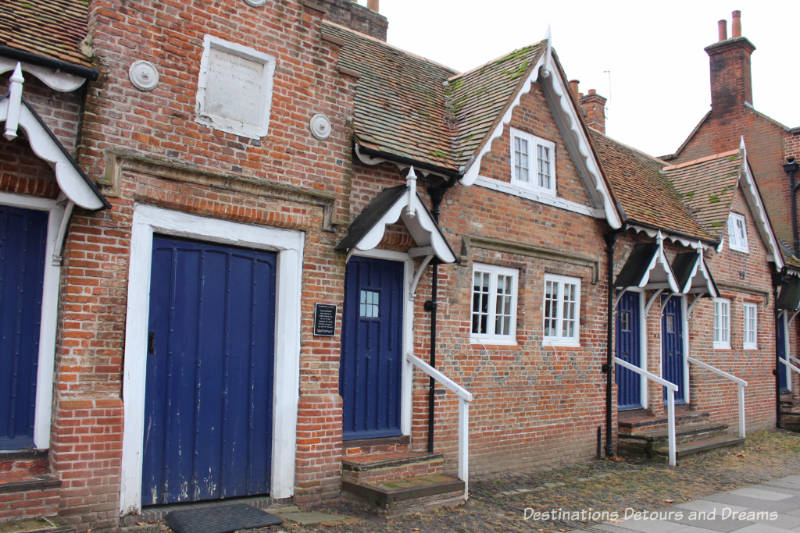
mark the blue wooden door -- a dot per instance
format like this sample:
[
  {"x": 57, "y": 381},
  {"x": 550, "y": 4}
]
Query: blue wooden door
[
  {"x": 781, "y": 342},
  {"x": 208, "y": 398},
  {"x": 371, "y": 365},
  {"x": 629, "y": 383},
  {"x": 672, "y": 346},
  {"x": 23, "y": 236}
]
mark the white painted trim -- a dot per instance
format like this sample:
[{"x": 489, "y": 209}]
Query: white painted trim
[
  {"x": 757, "y": 207},
  {"x": 786, "y": 350},
  {"x": 721, "y": 344},
  {"x": 584, "y": 158},
  {"x": 562, "y": 340},
  {"x": 254, "y": 130},
  {"x": 533, "y": 143},
  {"x": 685, "y": 319},
  {"x": 49, "y": 314},
  {"x": 406, "y": 379},
  {"x": 683, "y": 241},
  {"x": 55, "y": 79},
  {"x": 660, "y": 258},
  {"x": 491, "y": 337},
  {"x": 67, "y": 174},
  {"x": 289, "y": 247},
  {"x": 749, "y": 345},
  {"x": 530, "y": 194},
  {"x": 418, "y": 222}
]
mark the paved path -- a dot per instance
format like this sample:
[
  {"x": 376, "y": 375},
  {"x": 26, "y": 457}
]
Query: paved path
[{"x": 772, "y": 507}]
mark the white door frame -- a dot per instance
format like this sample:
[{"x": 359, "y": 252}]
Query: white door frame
[
  {"x": 288, "y": 244},
  {"x": 49, "y": 312},
  {"x": 786, "y": 345},
  {"x": 408, "y": 329}
]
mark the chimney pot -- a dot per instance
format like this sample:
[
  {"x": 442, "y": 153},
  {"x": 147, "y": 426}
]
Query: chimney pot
[
  {"x": 592, "y": 91},
  {"x": 374, "y": 5},
  {"x": 736, "y": 24},
  {"x": 573, "y": 85},
  {"x": 723, "y": 30}
]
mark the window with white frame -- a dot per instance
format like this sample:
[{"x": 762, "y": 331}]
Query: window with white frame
[
  {"x": 737, "y": 233},
  {"x": 562, "y": 304},
  {"x": 234, "y": 89},
  {"x": 533, "y": 162},
  {"x": 722, "y": 323},
  {"x": 750, "y": 326},
  {"x": 494, "y": 304}
]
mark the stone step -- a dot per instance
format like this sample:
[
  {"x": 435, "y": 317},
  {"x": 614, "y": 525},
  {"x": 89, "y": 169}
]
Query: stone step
[
  {"x": 646, "y": 442},
  {"x": 410, "y": 494},
  {"x": 30, "y": 461},
  {"x": 381, "y": 467},
  {"x": 380, "y": 445},
  {"x": 641, "y": 421},
  {"x": 28, "y": 496},
  {"x": 790, "y": 421},
  {"x": 686, "y": 449},
  {"x": 152, "y": 518}
]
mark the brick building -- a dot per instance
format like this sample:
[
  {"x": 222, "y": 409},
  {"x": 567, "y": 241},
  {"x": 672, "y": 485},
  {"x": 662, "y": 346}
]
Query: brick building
[
  {"x": 772, "y": 150},
  {"x": 263, "y": 222}
]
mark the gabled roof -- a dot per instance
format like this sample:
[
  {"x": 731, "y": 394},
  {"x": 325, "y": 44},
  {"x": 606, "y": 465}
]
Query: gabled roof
[
  {"x": 417, "y": 110},
  {"x": 45, "y": 29},
  {"x": 707, "y": 186},
  {"x": 645, "y": 195}
]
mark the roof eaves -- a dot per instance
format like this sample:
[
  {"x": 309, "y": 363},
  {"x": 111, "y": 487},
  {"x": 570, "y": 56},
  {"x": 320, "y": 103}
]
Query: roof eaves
[{"x": 49, "y": 62}]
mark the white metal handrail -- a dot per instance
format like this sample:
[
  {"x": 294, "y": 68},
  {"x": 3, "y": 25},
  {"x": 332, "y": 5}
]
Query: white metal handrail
[
  {"x": 790, "y": 366},
  {"x": 794, "y": 359},
  {"x": 464, "y": 397},
  {"x": 740, "y": 384},
  {"x": 671, "y": 389}
]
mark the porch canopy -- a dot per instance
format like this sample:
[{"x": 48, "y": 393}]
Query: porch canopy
[
  {"x": 693, "y": 275},
  {"x": 647, "y": 268},
  {"x": 404, "y": 204}
]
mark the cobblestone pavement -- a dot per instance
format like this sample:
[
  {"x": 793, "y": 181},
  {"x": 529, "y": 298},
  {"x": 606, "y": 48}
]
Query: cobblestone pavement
[{"x": 500, "y": 504}]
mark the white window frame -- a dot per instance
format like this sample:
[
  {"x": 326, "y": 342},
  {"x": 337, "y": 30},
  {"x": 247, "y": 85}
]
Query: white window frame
[
  {"x": 750, "y": 317},
  {"x": 722, "y": 324},
  {"x": 534, "y": 144},
  {"x": 560, "y": 339},
  {"x": 737, "y": 233},
  {"x": 254, "y": 130},
  {"x": 491, "y": 337}
]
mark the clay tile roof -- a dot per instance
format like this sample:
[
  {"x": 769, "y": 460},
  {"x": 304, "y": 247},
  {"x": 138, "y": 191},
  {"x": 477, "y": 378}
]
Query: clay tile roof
[
  {"x": 647, "y": 197},
  {"x": 52, "y": 29},
  {"x": 478, "y": 97},
  {"x": 413, "y": 108},
  {"x": 707, "y": 186}
]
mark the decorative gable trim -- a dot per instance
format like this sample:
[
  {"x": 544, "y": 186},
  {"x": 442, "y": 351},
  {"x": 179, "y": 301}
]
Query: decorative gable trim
[
  {"x": 72, "y": 181},
  {"x": 647, "y": 268},
  {"x": 570, "y": 127},
  {"x": 753, "y": 197},
  {"x": 55, "y": 79}
]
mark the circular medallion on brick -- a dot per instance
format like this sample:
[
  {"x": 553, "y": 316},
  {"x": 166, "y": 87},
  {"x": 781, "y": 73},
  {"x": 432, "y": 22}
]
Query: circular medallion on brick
[
  {"x": 320, "y": 126},
  {"x": 143, "y": 75}
]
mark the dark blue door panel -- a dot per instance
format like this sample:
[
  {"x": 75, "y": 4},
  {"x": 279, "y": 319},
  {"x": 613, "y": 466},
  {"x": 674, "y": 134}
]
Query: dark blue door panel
[
  {"x": 372, "y": 344},
  {"x": 672, "y": 346},
  {"x": 208, "y": 400},
  {"x": 23, "y": 236},
  {"x": 629, "y": 384},
  {"x": 781, "y": 342}
]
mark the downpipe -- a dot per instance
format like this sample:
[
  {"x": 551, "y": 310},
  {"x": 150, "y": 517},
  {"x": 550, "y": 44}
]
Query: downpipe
[{"x": 611, "y": 239}]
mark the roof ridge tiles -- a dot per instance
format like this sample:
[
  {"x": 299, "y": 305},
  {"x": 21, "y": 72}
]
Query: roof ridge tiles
[{"x": 701, "y": 160}]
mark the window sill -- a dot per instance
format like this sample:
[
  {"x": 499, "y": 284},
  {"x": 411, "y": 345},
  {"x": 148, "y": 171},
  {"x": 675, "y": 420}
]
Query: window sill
[
  {"x": 721, "y": 346},
  {"x": 560, "y": 343},
  {"x": 749, "y": 347},
  {"x": 492, "y": 341}
]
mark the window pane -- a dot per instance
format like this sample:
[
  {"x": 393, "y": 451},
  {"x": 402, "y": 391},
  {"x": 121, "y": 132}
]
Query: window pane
[
  {"x": 503, "y": 305},
  {"x": 521, "y": 159},
  {"x": 480, "y": 302},
  {"x": 568, "y": 328},
  {"x": 369, "y": 303},
  {"x": 550, "y": 309},
  {"x": 544, "y": 166}
]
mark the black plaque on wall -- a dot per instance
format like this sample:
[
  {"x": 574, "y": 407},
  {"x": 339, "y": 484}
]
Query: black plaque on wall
[{"x": 324, "y": 320}]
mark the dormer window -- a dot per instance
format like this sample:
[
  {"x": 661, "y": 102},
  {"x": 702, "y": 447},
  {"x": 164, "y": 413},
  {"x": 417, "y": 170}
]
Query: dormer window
[
  {"x": 532, "y": 162},
  {"x": 737, "y": 233}
]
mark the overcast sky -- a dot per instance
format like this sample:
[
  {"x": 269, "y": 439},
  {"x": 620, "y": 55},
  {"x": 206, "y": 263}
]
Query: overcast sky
[{"x": 646, "y": 57}]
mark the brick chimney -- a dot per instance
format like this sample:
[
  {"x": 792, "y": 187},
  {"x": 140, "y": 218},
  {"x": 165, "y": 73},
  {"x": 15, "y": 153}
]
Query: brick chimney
[
  {"x": 594, "y": 106},
  {"x": 731, "y": 85},
  {"x": 366, "y": 19}
]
